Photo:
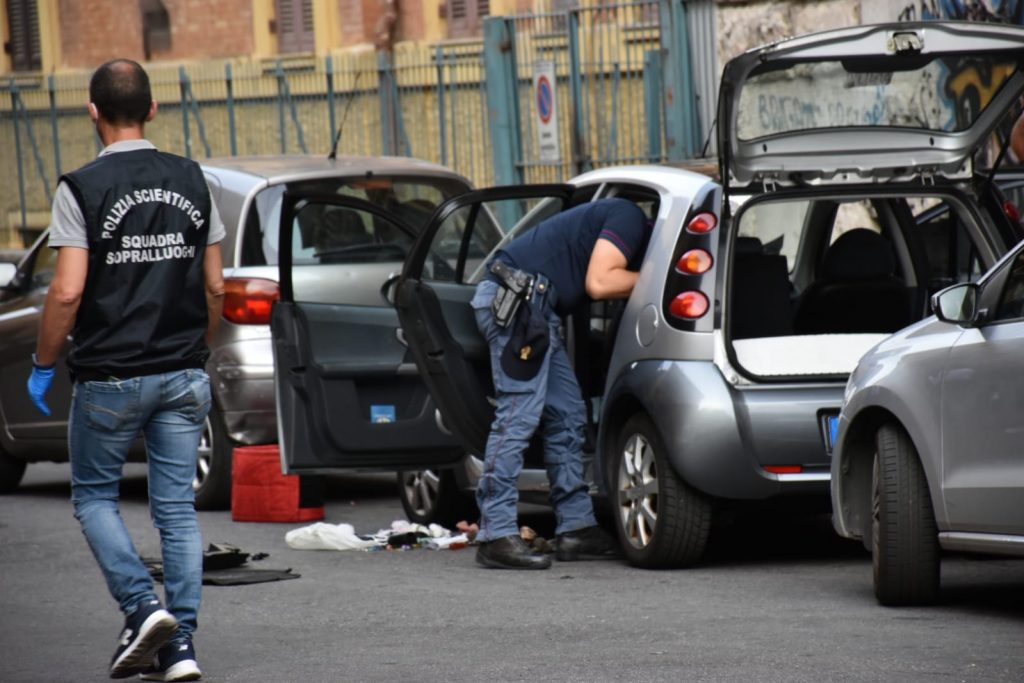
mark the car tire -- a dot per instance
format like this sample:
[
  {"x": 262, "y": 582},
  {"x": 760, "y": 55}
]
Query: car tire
[
  {"x": 661, "y": 521},
  {"x": 212, "y": 483},
  {"x": 904, "y": 536},
  {"x": 11, "y": 471},
  {"x": 433, "y": 497}
]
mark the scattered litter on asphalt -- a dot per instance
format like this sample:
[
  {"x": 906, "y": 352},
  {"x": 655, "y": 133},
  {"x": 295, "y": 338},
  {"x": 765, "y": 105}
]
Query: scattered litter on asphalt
[{"x": 401, "y": 535}]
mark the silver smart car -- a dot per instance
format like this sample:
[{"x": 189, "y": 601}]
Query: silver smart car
[
  {"x": 248, "y": 192},
  {"x": 849, "y": 194}
]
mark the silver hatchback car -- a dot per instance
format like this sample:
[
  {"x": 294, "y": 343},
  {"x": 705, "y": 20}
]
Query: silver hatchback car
[
  {"x": 928, "y": 453},
  {"x": 248, "y": 192},
  {"x": 848, "y": 196}
]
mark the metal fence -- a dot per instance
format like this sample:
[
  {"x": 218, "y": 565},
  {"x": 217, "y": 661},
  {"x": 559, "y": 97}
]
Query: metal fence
[{"x": 615, "y": 73}]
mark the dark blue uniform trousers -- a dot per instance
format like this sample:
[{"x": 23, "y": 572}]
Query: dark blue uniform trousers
[{"x": 552, "y": 401}]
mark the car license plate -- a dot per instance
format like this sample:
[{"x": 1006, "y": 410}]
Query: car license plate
[{"x": 831, "y": 429}]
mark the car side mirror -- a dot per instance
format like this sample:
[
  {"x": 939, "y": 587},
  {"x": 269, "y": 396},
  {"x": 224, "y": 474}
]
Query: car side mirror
[
  {"x": 7, "y": 273},
  {"x": 390, "y": 287},
  {"x": 957, "y": 304}
]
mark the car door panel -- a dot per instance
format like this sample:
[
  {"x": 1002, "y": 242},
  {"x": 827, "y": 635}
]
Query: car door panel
[
  {"x": 347, "y": 391},
  {"x": 982, "y": 417},
  {"x": 31, "y": 432},
  {"x": 451, "y": 354}
]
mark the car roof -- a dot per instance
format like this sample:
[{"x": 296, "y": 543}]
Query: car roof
[{"x": 280, "y": 168}]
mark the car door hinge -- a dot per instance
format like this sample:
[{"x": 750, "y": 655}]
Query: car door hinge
[
  {"x": 928, "y": 177},
  {"x": 768, "y": 183}
]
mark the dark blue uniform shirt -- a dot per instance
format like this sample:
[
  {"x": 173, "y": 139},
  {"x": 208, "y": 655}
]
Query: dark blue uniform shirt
[{"x": 560, "y": 247}]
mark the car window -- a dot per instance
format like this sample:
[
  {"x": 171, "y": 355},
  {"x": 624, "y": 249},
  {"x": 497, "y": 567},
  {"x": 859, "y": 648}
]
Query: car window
[
  {"x": 329, "y": 234},
  {"x": 1011, "y": 303},
  {"x": 776, "y": 226},
  {"x": 411, "y": 200},
  {"x": 952, "y": 255}
]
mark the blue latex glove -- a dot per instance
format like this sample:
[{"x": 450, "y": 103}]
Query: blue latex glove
[{"x": 38, "y": 384}]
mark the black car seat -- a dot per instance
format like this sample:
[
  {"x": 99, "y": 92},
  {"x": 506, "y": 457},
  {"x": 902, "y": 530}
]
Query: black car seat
[
  {"x": 761, "y": 292},
  {"x": 857, "y": 289},
  {"x": 340, "y": 228}
]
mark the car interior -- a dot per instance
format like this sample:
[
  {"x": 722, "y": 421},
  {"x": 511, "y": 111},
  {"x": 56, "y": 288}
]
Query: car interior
[
  {"x": 451, "y": 328},
  {"x": 853, "y": 268}
]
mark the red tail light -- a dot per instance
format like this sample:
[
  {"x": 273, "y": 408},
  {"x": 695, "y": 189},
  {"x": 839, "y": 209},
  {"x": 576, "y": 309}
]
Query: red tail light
[
  {"x": 1011, "y": 211},
  {"x": 703, "y": 223},
  {"x": 784, "y": 469},
  {"x": 695, "y": 262},
  {"x": 247, "y": 301},
  {"x": 690, "y": 305}
]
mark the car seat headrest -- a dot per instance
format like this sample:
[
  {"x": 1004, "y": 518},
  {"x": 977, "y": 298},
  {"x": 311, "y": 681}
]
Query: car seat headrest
[
  {"x": 749, "y": 245},
  {"x": 859, "y": 254}
]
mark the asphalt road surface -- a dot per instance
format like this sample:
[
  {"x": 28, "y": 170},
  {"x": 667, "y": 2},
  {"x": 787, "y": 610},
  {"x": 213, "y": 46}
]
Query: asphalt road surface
[{"x": 779, "y": 598}]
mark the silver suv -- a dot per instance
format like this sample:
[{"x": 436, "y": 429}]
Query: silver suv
[
  {"x": 849, "y": 195},
  {"x": 248, "y": 192}
]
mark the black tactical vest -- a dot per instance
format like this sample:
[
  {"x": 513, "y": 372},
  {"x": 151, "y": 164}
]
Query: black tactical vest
[{"x": 143, "y": 311}]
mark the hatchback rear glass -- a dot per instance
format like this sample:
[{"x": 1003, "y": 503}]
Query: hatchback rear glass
[
  {"x": 941, "y": 93},
  {"x": 412, "y": 200}
]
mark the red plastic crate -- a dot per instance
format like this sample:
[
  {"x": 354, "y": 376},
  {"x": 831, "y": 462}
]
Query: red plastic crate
[{"x": 260, "y": 493}]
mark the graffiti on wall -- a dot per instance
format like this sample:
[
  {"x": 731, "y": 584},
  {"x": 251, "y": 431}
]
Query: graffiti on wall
[
  {"x": 1003, "y": 11},
  {"x": 970, "y": 84}
]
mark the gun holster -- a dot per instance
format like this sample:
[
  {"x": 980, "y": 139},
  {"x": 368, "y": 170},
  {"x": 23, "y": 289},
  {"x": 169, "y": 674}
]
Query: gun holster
[{"x": 515, "y": 287}]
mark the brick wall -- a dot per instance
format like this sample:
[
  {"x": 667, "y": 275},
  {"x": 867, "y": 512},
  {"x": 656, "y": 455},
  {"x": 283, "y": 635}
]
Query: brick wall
[
  {"x": 202, "y": 29},
  {"x": 94, "y": 31}
]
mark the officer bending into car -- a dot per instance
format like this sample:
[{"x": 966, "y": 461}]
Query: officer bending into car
[
  {"x": 139, "y": 286},
  {"x": 592, "y": 251}
]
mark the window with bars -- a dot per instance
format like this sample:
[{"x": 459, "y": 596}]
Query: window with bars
[
  {"x": 23, "y": 45},
  {"x": 465, "y": 17},
  {"x": 295, "y": 26}
]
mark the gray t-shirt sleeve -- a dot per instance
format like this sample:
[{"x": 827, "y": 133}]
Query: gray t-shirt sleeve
[
  {"x": 217, "y": 231},
  {"x": 67, "y": 226}
]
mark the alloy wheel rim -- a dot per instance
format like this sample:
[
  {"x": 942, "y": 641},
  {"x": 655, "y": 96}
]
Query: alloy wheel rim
[
  {"x": 421, "y": 490},
  {"x": 638, "y": 491},
  {"x": 205, "y": 456}
]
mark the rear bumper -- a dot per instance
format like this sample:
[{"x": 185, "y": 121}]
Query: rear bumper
[
  {"x": 242, "y": 377},
  {"x": 720, "y": 437}
]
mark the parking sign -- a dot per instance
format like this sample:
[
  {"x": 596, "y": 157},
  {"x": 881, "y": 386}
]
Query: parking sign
[{"x": 547, "y": 119}]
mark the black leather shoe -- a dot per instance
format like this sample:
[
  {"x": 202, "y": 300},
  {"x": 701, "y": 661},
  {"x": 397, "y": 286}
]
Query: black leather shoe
[
  {"x": 510, "y": 552},
  {"x": 589, "y": 543}
]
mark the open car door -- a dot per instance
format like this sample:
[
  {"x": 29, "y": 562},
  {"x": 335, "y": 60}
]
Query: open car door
[
  {"x": 437, "y": 285},
  {"x": 348, "y": 394}
]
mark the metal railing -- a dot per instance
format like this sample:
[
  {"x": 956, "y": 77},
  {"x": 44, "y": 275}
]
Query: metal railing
[{"x": 450, "y": 103}]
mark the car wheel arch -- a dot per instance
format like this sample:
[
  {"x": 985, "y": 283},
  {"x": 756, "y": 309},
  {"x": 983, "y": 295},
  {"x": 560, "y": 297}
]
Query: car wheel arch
[
  {"x": 857, "y": 456},
  {"x": 857, "y": 460}
]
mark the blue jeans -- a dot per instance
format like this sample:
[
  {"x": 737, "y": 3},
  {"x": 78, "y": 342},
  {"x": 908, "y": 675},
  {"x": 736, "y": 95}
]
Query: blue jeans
[
  {"x": 169, "y": 410},
  {"x": 551, "y": 401}
]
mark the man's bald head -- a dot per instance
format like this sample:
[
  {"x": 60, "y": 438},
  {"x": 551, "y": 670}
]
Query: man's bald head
[{"x": 120, "y": 90}]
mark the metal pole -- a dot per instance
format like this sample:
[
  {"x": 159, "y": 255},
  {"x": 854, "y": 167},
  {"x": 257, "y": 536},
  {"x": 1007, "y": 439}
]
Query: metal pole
[
  {"x": 279, "y": 72},
  {"x": 331, "y": 116},
  {"x": 387, "y": 113},
  {"x": 232, "y": 133},
  {"x": 15, "y": 97},
  {"x": 183, "y": 84},
  {"x": 53, "y": 123},
  {"x": 580, "y": 158},
  {"x": 439, "y": 60},
  {"x": 652, "y": 103},
  {"x": 502, "y": 109}
]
